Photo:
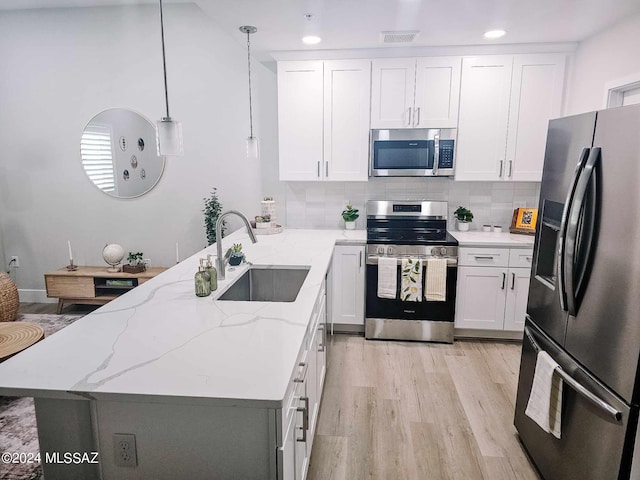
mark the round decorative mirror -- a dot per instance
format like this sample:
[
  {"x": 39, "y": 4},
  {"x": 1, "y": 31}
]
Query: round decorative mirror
[{"x": 116, "y": 144}]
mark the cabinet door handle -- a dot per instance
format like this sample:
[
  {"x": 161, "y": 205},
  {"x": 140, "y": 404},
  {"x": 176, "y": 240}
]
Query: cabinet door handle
[
  {"x": 417, "y": 115},
  {"x": 322, "y": 345},
  {"x": 504, "y": 279},
  {"x": 501, "y": 165},
  {"x": 302, "y": 377},
  {"x": 360, "y": 259},
  {"x": 513, "y": 281},
  {"x": 510, "y": 167},
  {"x": 409, "y": 117},
  {"x": 483, "y": 257},
  {"x": 305, "y": 418},
  {"x": 318, "y": 168},
  {"x": 326, "y": 169}
]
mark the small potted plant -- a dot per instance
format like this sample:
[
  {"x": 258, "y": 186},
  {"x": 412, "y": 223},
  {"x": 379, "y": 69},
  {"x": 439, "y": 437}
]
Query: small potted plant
[
  {"x": 136, "y": 263},
  {"x": 237, "y": 255},
  {"x": 263, "y": 221},
  {"x": 464, "y": 217},
  {"x": 350, "y": 215}
]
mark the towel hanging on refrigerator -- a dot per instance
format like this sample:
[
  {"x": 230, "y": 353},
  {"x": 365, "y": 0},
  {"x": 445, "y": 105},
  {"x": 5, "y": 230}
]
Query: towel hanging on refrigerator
[
  {"x": 545, "y": 400},
  {"x": 411, "y": 286},
  {"x": 387, "y": 277}
]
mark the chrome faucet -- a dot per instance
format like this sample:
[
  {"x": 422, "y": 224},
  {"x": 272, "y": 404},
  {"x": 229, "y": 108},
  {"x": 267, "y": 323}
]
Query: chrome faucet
[{"x": 222, "y": 261}]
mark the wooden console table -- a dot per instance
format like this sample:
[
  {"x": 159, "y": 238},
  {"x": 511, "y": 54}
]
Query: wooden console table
[{"x": 93, "y": 285}]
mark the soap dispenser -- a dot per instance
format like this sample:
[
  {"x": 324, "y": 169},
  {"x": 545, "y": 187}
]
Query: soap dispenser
[
  {"x": 212, "y": 272},
  {"x": 202, "y": 281}
]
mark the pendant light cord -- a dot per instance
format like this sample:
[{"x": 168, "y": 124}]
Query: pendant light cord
[
  {"x": 249, "y": 66},
  {"x": 164, "y": 63}
]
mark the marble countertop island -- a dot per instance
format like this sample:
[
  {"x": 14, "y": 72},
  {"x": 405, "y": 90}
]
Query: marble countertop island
[{"x": 161, "y": 343}]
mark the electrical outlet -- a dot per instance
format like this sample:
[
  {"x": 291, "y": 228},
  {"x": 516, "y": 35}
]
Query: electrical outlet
[
  {"x": 15, "y": 261},
  {"x": 124, "y": 450}
]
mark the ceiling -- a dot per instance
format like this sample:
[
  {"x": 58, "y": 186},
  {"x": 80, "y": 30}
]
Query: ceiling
[{"x": 354, "y": 24}]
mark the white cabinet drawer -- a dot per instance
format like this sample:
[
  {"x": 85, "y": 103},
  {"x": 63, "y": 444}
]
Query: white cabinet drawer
[
  {"x": 521, "y": 257},
  {"x": 483, "y": 257}
]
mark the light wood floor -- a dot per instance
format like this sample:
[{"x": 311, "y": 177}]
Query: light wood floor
[{"x": 407, "y": 410}]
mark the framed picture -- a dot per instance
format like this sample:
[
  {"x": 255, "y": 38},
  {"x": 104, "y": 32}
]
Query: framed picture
[{"x": 524, "y": 221}]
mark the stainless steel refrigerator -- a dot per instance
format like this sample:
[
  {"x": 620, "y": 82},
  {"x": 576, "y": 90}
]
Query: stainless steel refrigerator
[{"x": 584, "y": 298}]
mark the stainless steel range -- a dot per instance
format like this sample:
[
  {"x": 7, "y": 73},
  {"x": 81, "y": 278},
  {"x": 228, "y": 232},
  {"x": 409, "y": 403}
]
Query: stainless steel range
[{"x": 410, "y": 230}]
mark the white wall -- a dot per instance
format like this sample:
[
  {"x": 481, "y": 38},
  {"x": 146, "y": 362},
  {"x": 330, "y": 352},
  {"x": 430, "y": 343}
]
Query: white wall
[
  {"x": 610, "y": 55},
  {"x": 60, "y": 67}
]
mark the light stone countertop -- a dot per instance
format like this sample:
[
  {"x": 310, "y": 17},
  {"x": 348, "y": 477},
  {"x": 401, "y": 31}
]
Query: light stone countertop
[
  {"x": 161, "y": 343},
  {"x": 491, "y": 239}
]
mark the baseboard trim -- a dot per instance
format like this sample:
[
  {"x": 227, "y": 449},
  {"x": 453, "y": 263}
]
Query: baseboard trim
[
  {"x": 34, "y": 296},
  {"x": 462, "y": 333}
]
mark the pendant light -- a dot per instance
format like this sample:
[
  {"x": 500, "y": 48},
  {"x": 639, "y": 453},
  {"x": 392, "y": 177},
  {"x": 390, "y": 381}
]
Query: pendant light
[
  {"x": 168, "y": 131},
  {"x": 253, "y": 146}
]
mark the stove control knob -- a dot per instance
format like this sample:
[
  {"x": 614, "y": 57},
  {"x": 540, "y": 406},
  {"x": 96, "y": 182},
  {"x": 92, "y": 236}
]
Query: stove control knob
[
  {"x": 443, "y": 251},
  {"x": 380, "y": 251},
  {"x": 389, "y": 250},
  {"x": 435, "y": 251}
]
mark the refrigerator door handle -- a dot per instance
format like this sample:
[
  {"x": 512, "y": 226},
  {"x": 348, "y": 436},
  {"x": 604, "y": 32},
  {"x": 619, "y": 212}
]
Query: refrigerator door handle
[
  {"x": 576, "y": 386},
  {"x": 573, "y": 287},
  {"x": 584, "y": 155}
]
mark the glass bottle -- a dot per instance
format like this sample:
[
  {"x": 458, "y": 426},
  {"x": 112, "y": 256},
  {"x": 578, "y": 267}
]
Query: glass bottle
[
  {"x": 203, "y": 282},
  {"x": 212, "y": 272}
]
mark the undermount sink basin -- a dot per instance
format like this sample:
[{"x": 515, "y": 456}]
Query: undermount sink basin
[{"x": 273, "y": 283}]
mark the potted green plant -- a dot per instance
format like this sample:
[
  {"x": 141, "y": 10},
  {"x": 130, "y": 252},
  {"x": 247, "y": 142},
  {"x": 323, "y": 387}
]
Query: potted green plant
[
  {"x": 212, "y": 210},
  {"x": 464, "y": 217},
  {"x": 136, "y": 263},
  {"x": 350, "y": 215},
  {"x": 237, "y": 255}
]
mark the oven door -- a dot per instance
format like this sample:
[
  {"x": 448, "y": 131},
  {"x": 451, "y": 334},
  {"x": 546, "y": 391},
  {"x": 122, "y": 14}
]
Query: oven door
[{"x": 408, "y": 320}]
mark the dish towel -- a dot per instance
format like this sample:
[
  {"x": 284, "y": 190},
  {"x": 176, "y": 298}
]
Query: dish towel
[
  {"x": 411, "y": 288},
  {"x": 387, "y": 281},
  {"x": 435, "y": 285},
  {"x": 545, "y": 400}
]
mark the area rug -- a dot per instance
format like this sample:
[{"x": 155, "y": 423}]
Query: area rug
[{"x": 18, "y": 432}]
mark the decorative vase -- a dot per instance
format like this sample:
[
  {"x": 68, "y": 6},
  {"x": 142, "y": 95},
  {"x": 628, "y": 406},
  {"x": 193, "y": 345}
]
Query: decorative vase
[
  {"x": 463, "y": 226},
  {"x": 236, "y": 259},
  {"x": 350, "y": 225}
]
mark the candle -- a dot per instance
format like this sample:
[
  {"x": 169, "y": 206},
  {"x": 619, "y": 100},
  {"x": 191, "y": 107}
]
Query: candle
[
  {"x": 70, "y": 254},
  {"x": 177, "y": 254}
]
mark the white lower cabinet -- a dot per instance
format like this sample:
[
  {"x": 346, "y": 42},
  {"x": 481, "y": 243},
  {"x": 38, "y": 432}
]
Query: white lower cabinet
[
  {"x": 493, "y": 287},
  {"x": 347, "y": 287},
  {"x": 300, "y": 415}
]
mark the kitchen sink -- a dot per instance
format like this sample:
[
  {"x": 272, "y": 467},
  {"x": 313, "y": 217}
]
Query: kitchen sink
[{"x": 273, "y": 283}]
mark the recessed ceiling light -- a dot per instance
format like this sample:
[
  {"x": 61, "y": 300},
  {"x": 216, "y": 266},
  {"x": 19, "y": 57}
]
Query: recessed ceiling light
[
  {"x": 494, "y": 34},
  {"x": 311, "y": 40}
]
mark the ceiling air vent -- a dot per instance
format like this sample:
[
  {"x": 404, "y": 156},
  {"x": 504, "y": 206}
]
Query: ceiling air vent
[{"x": 406, "y": 36}]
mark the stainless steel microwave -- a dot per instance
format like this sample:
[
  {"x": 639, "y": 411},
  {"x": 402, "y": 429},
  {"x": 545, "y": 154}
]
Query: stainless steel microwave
[{"x": 418, "y": 152}]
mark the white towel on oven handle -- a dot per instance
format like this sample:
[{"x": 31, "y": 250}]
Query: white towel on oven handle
[
  {"x": 387, "y": 277},
  {"x": 435, "y": 285}
]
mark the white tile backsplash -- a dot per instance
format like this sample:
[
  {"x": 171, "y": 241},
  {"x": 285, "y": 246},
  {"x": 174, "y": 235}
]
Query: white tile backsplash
[{"x": 319, "y": 204}]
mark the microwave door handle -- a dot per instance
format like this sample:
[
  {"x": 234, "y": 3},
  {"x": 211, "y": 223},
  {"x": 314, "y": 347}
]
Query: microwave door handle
[
  {"x": 561, "y": 245},
  {"x": 571, "y": 241},
  {"x": 436, "y": 153}
]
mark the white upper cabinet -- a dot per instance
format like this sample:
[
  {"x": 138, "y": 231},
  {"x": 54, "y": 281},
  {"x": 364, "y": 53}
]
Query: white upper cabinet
[
  {"x": 347, "y": 92},
  {"x": 323, "y": 120},
  {"x": 437, "y": 92},
  {"x": 506, "y": 102},
  {"x": 415, "y": 93},
  {"x": 300, "y": 120}
]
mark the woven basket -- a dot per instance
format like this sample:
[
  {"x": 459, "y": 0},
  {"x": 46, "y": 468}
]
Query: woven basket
[{"x": 9, "y": 299}]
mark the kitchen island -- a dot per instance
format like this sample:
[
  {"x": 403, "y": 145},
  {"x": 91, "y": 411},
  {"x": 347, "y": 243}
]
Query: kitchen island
[{"x": 203, "y": 384}]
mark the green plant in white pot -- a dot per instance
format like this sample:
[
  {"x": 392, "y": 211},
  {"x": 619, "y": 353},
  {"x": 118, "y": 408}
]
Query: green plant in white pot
[
  {"x": 350, "y": 215},
  {"x": 464, "y": 217}
]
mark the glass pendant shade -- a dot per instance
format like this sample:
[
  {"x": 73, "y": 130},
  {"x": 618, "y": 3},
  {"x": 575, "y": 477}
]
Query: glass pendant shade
[
  {"x": 253, "y": 148},
  {"x": 169, "y": 137}
]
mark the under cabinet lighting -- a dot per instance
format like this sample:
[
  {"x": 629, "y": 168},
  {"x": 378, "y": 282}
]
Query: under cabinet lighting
[{"x": 493, "y": 34}]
